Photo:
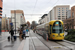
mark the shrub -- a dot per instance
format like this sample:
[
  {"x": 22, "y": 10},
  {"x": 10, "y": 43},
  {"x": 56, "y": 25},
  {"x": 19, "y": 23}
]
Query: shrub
[{"x": 71, "y": 35}]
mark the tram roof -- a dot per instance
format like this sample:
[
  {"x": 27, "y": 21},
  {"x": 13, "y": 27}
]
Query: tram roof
[{"x": 50, "y": 22}]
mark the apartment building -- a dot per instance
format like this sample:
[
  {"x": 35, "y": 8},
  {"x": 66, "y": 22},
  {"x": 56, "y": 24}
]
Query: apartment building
[
  {"x": 4, "y": 23},
  {"x": 58, "y": 12},
  {"x": 69, "y": 23},
  {"x": 20, "y": 19}
]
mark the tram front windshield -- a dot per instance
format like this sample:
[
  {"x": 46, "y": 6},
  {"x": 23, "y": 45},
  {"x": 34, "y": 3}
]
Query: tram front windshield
[{"x": 57, "y": 27}]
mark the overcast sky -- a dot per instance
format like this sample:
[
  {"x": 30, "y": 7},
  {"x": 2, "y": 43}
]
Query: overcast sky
[{"x": 33, "y": 7}]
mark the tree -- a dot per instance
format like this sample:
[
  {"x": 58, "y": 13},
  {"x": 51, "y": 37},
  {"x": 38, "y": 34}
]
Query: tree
[
  {"x": 33, "y": 24},
  {"x": 28, "y": 23}
]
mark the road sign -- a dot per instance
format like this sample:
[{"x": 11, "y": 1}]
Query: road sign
[{"x": 11, "y": 24}]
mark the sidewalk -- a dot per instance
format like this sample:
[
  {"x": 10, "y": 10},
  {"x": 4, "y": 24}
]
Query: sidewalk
[
  {"x": 11, "y": 45},
  {"x": 32, "y": 42}
]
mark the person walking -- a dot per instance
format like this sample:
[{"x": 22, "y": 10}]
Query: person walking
[
  {"x": 20, "y": 34},
  {"x": 12, "y": 33},
  {"x": 24, "y": 34},
  {"x": 27, "y": 31}
]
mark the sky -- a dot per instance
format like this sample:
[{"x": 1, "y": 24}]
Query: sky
[{"x": 33, "y": 9}]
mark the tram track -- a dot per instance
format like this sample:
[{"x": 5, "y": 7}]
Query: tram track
[
  {"x": 64, "y": 45},
  {"x": 40, "y": 41},
  {"x": 57, "y": 43},
  {"x": 33, "y": 45},
  {"x": 44, "y": 43},
  {"x": 66, "y": 42},
  {"x": 69, "y": 42}
]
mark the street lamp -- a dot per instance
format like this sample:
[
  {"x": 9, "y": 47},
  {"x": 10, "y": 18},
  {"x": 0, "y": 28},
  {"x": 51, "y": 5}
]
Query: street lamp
[
  {"x": 0, "y": 24},
  {"x": 15, "y": 20}
]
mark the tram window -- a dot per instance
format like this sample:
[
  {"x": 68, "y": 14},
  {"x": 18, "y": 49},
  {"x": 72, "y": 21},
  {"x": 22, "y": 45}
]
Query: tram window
[
  {"x": 50, "y": 28},
  {"x": 57, "y": 28}
]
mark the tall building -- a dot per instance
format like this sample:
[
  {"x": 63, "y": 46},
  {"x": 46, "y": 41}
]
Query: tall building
[
  {"x": 1, "y": 8},
  {"x": 20, "y": 19},
  {"x": 69, "y": 23},
  {"x": 58, "y": 12},
  {"x": 68, "y": 14},
  {"x": 1, "y": 2},
  {"x": 4, "y": 23}
]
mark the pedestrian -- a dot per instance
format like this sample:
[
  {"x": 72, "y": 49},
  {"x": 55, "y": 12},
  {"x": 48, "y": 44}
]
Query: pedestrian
[
  {"x": 24, "y": 34},
  {"x": 20, "y": 34},
  {"x": 27, "y": 31},
  {"x": 12, "y": 33}
]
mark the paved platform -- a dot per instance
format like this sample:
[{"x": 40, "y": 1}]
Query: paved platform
[
  {"x": 10, "y": 45},
  {"x": 32, "y": 43}
]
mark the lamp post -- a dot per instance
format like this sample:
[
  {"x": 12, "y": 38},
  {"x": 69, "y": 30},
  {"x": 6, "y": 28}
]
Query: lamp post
[
  {"x": 0, "y": 24},
  {"x": 15, "y": 20}
]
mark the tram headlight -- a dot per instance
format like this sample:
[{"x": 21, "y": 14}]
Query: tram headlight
[{"x": 53, "y": 35}]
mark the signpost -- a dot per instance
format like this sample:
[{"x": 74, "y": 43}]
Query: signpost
[{"x": 11, "y": 25}]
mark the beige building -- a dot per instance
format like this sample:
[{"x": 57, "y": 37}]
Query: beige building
[
  {"x": 58, "y": 12},
  {"x": 9, "y": 21},
  {"x": 4, "y": 23},
  {"x": 20, "y": 19},
  {"x": 69, "y": 23}
]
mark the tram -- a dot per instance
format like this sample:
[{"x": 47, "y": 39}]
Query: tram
[{"x": 53, "y": 30}]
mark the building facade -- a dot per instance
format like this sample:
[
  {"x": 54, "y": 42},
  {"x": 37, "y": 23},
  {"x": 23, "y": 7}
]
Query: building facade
[
  {"x": 69, "y": 23},
  {"x": 43, "y": 19},
  {"x": 58, "y": 12},
  {"x": 4, "y": 23},
  {"x": 1, "y": 6},
  {"x": 68, "y": 14},
  {"x": 20, "y": 19}
]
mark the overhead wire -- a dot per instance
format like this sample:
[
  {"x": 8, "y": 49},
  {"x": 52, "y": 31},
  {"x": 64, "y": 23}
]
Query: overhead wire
[
  {"x": 34, "y": 7},
  {"x": 52, "y": 5}
]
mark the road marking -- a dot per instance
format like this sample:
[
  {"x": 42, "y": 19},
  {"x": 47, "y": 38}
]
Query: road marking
[{"x": 3, "y": 40}]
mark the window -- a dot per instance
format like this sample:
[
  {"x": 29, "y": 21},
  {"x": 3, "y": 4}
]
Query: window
[
  {"x": 0, "y": 11},
  {"x": 63, "y": 18},
  {"x": 72, "y": 14},
  {"x": 66, "y": 8},
  {"x": 58, "y": 8},
  {"x": 62, "y": 10},
  {"x": 59, "y": 12},
  {"x": 59, "y": 16},
  {"x": 62, "y": 14},
  {"x": 57, "y": 27},
  {"x": 50, "y": 28},
  {"x": 0, "y": 14}
]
